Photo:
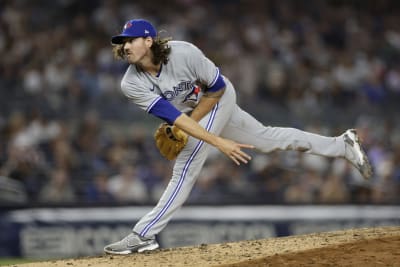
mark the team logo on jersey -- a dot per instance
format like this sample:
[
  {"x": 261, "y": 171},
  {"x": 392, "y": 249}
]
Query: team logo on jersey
[
  {"x": 187, "y": 87},
  {"x": 193, "y": 95}
]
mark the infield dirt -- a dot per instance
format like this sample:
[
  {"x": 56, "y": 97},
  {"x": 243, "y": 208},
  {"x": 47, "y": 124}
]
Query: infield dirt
[{"x": 355, "y": 247}]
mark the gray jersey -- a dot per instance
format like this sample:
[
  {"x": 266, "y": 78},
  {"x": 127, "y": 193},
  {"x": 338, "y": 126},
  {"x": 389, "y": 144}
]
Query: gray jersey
[{"x": 179, "y": 81}]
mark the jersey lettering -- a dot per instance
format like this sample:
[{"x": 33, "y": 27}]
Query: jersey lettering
[{"x": 182, "y": 87}]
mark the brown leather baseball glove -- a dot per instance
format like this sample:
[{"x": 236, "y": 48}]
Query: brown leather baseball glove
[{"x": 170, "y": 140}]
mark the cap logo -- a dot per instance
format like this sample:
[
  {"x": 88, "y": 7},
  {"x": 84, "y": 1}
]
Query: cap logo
[
  {"x": 128, "y": 25},
  {"x": 146, "y": 32}
]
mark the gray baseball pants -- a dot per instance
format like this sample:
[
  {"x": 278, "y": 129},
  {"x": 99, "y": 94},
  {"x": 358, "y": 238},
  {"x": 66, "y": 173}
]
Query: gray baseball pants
[{"x": 228, "y": 120}]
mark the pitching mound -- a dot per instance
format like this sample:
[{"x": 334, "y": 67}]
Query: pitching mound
[{"x": 356, "y": 247}]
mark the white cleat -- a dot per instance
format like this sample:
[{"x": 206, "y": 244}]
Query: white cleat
[
  {"x": 131, "y": 244},
  {"x": 355, "y": 154}
]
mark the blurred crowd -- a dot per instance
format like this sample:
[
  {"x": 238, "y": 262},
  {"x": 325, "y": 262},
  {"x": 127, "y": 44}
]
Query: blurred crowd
[{"x": 67, "y": 135}]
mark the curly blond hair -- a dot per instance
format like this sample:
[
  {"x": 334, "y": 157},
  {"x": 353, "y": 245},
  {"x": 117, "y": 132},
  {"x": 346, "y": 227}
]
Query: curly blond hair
[{"x": 160, "y": 49}]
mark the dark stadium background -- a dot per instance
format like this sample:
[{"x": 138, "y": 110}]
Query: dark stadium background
[{"x": 68, "y": 138}]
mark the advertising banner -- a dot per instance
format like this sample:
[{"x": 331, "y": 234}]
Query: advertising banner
[{"x": 72, "y": 232}]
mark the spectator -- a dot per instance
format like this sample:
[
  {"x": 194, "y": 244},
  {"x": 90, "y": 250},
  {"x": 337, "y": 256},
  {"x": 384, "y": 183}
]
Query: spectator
[
  {"x": 59, "y": 189},
  {"x": 333, "y": 190},
  {"x": 126, "y": 186},
  {"x": 97, "y": 191}
]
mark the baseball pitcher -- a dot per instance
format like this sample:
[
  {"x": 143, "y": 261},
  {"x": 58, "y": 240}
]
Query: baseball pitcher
[{"x": 175, "y": 81}]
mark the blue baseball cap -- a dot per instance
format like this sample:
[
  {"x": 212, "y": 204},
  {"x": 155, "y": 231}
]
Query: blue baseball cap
[{"x": 135, "y": 28}]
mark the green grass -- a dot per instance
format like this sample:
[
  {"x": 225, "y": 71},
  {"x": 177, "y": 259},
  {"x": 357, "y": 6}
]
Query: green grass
[{"x": 8, "y": 261}]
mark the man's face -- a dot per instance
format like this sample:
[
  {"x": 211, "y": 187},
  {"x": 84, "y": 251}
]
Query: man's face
[{"x": 136, "y": 49}]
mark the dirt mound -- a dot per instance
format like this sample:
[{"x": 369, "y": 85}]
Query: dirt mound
[{"x": 355, "y": 247}]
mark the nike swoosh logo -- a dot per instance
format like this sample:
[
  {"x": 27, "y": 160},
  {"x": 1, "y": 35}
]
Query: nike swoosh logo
[{"x": 145, "y": 243}]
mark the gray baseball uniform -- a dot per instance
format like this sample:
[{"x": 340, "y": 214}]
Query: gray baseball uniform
[{"x": 179, "y": 83}]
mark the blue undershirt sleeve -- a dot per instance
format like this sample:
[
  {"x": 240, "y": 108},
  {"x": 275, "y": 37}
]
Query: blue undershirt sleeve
[
  {"x": 217, "y": 85},
  {"x": 165, "y": 111}
]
